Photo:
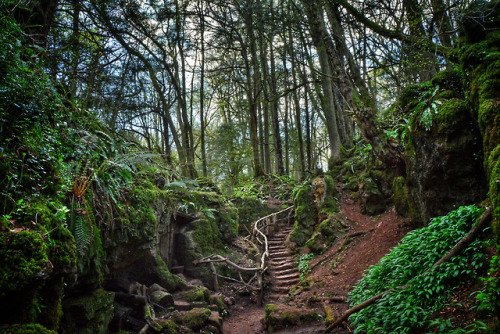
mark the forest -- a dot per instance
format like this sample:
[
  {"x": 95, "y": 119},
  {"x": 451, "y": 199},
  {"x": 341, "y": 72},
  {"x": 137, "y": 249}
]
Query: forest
[{"x": 249, "y": 166}]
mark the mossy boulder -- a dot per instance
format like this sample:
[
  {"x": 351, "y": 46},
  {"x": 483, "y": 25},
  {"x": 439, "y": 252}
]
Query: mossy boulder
[
  {"x": 249, "y": 210},
  {"x": 278, "y": 317},
  {"x": 194, "y": 319},
  {"x": 443, "y": 162},
  {"x": 26, "y": 329},
  {"x": 306, "y": 215},
  {"x": 403, "y": 200},
  {"x": 479, "y": 56},
  {"x": 88, "y": 314},
  {"x": 372, "y": 200}
]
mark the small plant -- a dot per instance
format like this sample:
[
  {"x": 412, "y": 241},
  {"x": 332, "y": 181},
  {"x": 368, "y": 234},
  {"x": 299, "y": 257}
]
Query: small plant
[
  {"x": 489, "y": 296},
  {"x": 303, "y": 265},
  {"x": 428, "y": 107}
]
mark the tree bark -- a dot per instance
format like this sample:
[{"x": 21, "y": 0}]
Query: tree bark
[{"x": 319, "y": 34}]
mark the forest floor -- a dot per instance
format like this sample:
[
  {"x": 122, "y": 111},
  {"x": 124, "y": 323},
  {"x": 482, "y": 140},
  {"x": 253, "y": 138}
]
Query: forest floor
[{"x": 334, "y": 272}]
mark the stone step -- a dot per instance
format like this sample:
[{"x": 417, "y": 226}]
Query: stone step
[
  {"x": 276, "y": 296},
  {"x": 182, "y": 305},
  {"x": 284, "y": 271},
  {"x": 280, "y": 289},
  {"x": 276, "y": 259},
  {"x": 275, "y": 254},
  {"x": 278, "y": 265},
  {"x": 275, "y": 242},
  {"x": 289, "y": 282},
  {"x": 277, "y": 247},
  {"x": 286, "y": 277}
]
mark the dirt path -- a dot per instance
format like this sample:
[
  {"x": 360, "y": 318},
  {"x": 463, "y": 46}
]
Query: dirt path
[{"x": 334, "y": 273}]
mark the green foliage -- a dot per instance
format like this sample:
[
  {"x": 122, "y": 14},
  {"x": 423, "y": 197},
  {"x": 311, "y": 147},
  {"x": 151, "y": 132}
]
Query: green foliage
[
  {"x": 269, "y": 186},
  {"x": 428, "y": 106},
  {"x": 303, "y": 265},
  {"x": 402, "y": 310},
  {"x": 488, "y": 297},
  {"x": 445, "y": 326},
  {"x": 23, "y": 257},
  {"x": 26, "y": 329}
]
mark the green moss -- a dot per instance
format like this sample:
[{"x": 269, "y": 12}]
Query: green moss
[
  {"x": 90, "y": 313},
  {"x": 49, "y": 303},
  {"x": 198, "y": 294},
  {"x": 26, "y": 329},
  {"x": 305, "y": 216},
  {"x": 316, "y": 243},
  {"x": 219, "y": 301},
  {"x": 165, "y": 278},
  {"x": 329, "y": 315},
  {"x": 269, "y": 309},
  {"x": 23, "y": 256},
  {"x": 451, "y": 115},
  {"x": 281, "y": 316},
  {"x": 493, "y": 169},
  {"x": 169, "y": 327},
  {"x": 450, "y": 81},
  {"x": 207, "y": 236},
  {"x": 489, "y": 122},
  {"x": 196, "y": 318}
]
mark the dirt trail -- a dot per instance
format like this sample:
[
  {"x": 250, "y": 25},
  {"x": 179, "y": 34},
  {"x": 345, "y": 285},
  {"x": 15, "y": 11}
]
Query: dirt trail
[{"x": 334, "y": 273}]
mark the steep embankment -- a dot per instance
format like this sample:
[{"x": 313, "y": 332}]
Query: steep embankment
[{"x": 332, "y": 274}]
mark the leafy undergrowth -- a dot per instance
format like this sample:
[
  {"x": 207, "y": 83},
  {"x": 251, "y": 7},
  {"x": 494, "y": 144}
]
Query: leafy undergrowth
[{"x": 407, "y": 309}]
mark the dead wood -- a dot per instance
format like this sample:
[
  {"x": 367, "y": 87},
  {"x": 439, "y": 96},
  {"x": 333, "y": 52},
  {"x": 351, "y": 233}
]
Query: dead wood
[{"x": 461, "y": 245}]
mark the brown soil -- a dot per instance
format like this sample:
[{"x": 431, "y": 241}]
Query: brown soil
[{"x": 334, "y": 272}]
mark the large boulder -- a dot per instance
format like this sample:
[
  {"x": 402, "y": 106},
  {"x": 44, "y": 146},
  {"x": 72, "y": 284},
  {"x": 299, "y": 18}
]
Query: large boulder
[{"x": 443, "y": 155}]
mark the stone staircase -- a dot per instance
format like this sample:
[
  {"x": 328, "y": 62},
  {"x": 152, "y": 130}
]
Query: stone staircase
[{"x": 283, "y": 269}]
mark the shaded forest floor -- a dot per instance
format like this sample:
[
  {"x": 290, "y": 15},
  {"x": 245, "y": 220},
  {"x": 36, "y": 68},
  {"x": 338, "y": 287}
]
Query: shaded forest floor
[{"x": 333, "y": 273}]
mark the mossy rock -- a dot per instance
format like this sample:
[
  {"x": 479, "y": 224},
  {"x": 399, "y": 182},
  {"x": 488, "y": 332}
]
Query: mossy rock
[
  {"x": 278, "y": 317},
  {"x": 218, "y": 300},
  {"x": 194, "y": 319},
  {"x": 26, "y": 329},
  {"x": 489, "y": 121},
  {"x": 23, "y": 257},
  {"x": 316, "y": 243},
  {"x": 89, "y": 313},
  {"x": 401, "y": 196},
  {"x": 206, "y": 236},
  {"x": 331, "y": 229},
  {"x": 452, "y": 115},
  {"x": 372, "y": 200},
  {"x": 493, "y": 166},
  {"x": 450, "y": 81},
  {"x": 168, "y": 326},
  {"x": 306, "y": 215},
  {"x": 196, "y": 294}
]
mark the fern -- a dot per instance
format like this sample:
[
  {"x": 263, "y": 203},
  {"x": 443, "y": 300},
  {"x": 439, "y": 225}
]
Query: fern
[{"x": 81, "y": 229}]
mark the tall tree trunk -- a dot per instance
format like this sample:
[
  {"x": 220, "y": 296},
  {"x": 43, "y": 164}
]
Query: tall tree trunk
[
  {"x": 443, "y": 22},
  {"x": 253, "y": 85},
  {"x": 296, "y": 102},
  {"x": 319, "y": 34},
  {"x": 202, "y": 92},
  {"x": 278, "y": 149},
  {"x": 36, "y": 18},
  {"x": 422, "y": 62},
  {"x": 265, "y": 102},
  {"x": 75, "y": 47}
]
